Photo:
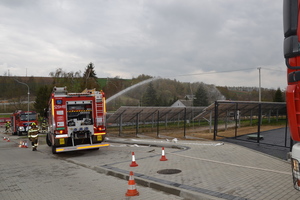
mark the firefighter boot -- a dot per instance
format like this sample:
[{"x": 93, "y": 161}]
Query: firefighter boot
[{"x": 35, "y": 147}]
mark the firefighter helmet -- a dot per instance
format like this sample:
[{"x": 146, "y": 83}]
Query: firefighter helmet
[{"x": 33, "y": 124}]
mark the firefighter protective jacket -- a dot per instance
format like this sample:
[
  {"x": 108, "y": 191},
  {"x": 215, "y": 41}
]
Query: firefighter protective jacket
[{"x": 33, "y": 133}]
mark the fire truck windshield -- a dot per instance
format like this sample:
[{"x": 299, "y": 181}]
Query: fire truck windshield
[
  {"x": 80, "y": 114},
  {"x": 24, "y": 117}
]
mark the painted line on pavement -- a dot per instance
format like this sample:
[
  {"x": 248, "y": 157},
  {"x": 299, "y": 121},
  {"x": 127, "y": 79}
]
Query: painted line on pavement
[{"x": 232, "y": 164}]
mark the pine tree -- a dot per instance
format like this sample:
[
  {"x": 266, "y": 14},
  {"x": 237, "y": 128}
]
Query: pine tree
[
  {"x": 201, "y": 97},
  {"x": 150, "y": 96},
  {"x": 42, "y": 98},
  {"x": 90, "y": 71},
  {"x": 278, "y": 97},
  {"x": 90, "y": 77}
]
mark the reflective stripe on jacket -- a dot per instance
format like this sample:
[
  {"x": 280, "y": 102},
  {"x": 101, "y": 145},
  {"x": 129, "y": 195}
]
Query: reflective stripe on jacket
[{"x": 33, "y": 132}]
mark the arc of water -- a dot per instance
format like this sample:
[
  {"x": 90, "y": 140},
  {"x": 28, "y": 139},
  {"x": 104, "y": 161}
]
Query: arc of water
[{"x": 130, "y": 88}]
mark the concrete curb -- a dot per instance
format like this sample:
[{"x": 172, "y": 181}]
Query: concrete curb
[
  {"x": 123, "y": 174},
  {"x": 154, "y": 144}
]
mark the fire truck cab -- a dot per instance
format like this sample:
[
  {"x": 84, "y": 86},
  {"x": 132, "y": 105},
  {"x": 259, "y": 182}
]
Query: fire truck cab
[
  {"x": 76, "y": 120},
  {"x": 21, "y": 121}
]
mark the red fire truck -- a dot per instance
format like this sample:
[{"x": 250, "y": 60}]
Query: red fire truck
[
  {"x": 291, "y": 26},
  {"x": 76, "y": 120},
  {"x": 21, "y": 121}
]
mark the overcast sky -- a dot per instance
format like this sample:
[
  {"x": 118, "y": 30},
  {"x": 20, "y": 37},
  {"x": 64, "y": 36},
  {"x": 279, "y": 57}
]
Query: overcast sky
[{"x": 220, "y": 42}]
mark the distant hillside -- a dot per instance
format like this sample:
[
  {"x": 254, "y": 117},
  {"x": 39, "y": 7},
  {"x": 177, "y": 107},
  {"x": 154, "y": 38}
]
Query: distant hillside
[
  {"x": 247, "y": 93},
  {"x": 167, "y": 91}
]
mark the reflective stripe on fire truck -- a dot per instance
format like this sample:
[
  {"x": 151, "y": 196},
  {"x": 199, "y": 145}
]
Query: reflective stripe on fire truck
[
  {"x": 74, "y": 148},
  {"x": 93, "y": 146},
  {"x": 61, "y": 136},
  {"x": 52, "y": 107},
  {"x": 104, "y": 105},
  {"x": 103, "y": 133}
]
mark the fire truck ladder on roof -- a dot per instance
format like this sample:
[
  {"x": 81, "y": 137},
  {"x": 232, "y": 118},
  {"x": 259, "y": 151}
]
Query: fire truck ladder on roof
[{"x": 60, "y": 90}]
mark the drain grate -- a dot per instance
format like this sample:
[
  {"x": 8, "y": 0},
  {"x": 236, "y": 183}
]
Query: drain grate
[{"x": 169, "y": 171}]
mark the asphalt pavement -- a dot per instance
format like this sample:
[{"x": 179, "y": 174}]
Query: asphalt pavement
[
  {"x": 273, "y": 142},
  {"x": 193, "y": 169},
  {"x": 36, "y": 175}
]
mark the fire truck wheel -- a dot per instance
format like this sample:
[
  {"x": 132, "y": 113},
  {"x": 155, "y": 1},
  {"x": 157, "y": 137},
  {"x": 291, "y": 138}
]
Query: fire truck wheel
[
  {"x": 54, "y": 149},
  {"x": 19, "y": 133},
  {"x": 48, "y": 141}
]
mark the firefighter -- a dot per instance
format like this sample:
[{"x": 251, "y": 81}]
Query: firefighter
[
  {"x": 33, "y": 135},
  {"x": 44, "y": 126},
  {"x": 7, "y": 125}
]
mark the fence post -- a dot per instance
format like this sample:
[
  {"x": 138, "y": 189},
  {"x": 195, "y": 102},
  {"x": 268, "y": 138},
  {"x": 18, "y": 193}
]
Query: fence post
[
  {"x": 157, "y": 126},
  {"x": 236, "y": 115},
  {"x": 216, "y": 120},
  {"x": 184, "y": 123},
  {"x": 259, "y": 122},
  {"x": 120, "y": 125},
  {"x": 285, "y": 138},
  {"x": 137, "y": 124}
]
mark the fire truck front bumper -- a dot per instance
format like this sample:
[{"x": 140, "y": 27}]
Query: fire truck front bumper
[{"x": 81, "y": 147}]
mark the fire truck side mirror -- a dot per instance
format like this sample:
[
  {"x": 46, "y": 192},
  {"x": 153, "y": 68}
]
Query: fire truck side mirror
[{"x": 290, "y": 26}]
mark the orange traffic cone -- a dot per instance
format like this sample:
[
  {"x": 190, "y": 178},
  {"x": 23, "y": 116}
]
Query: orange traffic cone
[
  {"x": 133, "y": 163},
  {"x": 8, "y": 140},
  {"x": 25, "y": 144},
  {"x": 163, "y": 157},
  {"x": 4, "y": 138},
  {"x": 131, "y": 191}
]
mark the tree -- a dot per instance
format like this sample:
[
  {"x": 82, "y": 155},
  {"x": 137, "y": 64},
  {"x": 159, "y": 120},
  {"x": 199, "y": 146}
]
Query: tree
[
  {"x": 90, "y": 77},
  {"x": 278, "y": 97},
  {"x": 90, "y": 71},
  {"x": 113, "y": 86},
  {"x": 72, "y": 80},
  {"x": 150, "y": 97},
  {"x": 201, "y": 97},
  {"x": 42, "y": 98},
  {"x": 9, "y": 87}
]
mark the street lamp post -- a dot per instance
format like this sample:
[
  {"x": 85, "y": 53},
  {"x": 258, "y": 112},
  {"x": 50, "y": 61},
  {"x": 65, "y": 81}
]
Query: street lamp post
[
  {"x": 28, "y": 93},
  {"x": 259, "y": 82}
]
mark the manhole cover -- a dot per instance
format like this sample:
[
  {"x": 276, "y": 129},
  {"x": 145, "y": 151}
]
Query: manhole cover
[{"x": 169, "y": 171}]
